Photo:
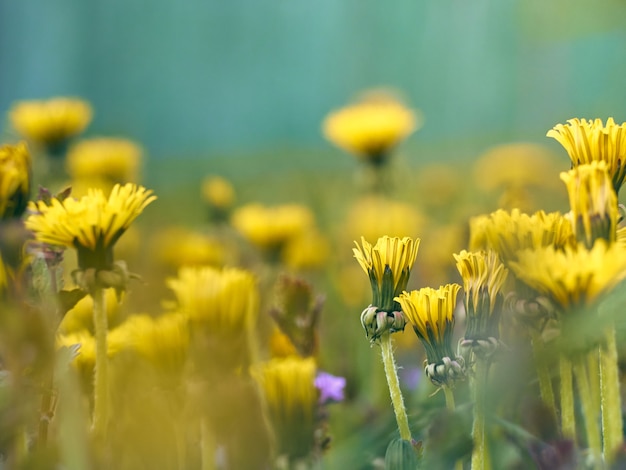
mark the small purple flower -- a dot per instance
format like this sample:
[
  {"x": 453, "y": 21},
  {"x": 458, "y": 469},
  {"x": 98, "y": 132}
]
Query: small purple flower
[{"x": 330, "y": 387}]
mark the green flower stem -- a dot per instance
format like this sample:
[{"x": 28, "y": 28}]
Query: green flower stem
[
  {"x": 394, "y": 387},
  {"x": 589, "y": 412},
  {"x": 543, "y": 374},
  {"x": 480, "y": 457},
  {"x": 611, "y": 402},
  {"x": 593, "y": 371},
  {"x": 568, "y": 420},
  {"x": 101, "y": 379},
  {"x": 451, "y": 406}
]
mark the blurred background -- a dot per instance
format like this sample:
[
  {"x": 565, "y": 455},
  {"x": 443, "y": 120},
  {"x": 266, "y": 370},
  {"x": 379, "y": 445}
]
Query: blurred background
[{"x": 251, "y": 80}]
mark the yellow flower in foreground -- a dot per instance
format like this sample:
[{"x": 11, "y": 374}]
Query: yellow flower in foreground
[
  {"x": 270, "y": 227},
  {"x": 289, "y": 388},
  {"x": 593, "y": 202},
  {"x": 15, "y": 173},
  {"x": 590, "y": 140},
  {"x": 92, "y": 224},
  {"x": 574, "y": 277},
  {"x": 507, "y": 233},
  {"x": 372, "y": 128},
  {"x": 224, "y": 299},
  {"x": 431, "y": 312},
  {"x": 483, "y": 278},
  {"x": 115, "y": 160},
  {"x": 50, "y": 122},
  {"x": 388, "y": 264}
]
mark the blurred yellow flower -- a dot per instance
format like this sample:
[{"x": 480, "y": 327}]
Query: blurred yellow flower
[
  {"x": 270, "y": 227},
  {"x": 226, "y": 300},
  {"x": 92, "y": 224},
  {"x": 308, "y": 250},
  {"x": 280, "y": 345},
  {"x": 591, "y": 140},
  {"x": 80, "y": 317},
  {"x": 593, "y": 202},
  {"x": 109, "y": 159},
  {"x": 218, "y": 192},
  {"x": 15, "y": 176},
  {"x": 483, "y": 278},
  {"x": 371, "y": 128},
  {"x": 50, "y": 122},
  {"x": 388, "y": 264},
  {"x": 289, "y": 388},
  {"x": 431, "y": 312},
  {"x": 509, "y": 232},
  {"x": 177, "y": 246},
  {"x": 373, "y": 217},
  {"x": 573, "y": 277},
  {"x": 84, "y": 345}
]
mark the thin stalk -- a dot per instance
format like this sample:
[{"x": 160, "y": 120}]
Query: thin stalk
[
  {"x": 589, "y": 412},
  {"x": 568, "y": 420},
  {"x": 593, "y": 370},
  {"x": 480, "y": 457},
  {"x": 394, "y": 387},
  {"x": 207, "y": 446},
  {"x": 543, "y": 374},
  {"x": 611, "y": 403},
  {"x": 101, "y": 376},
  {"x": 451, "y": 406}
]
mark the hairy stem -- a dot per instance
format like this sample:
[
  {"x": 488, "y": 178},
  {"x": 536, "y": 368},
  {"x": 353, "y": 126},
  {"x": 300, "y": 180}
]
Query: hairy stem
[
  {"x": 394, "y": 387},
  {"x": 611, "y": 403}
]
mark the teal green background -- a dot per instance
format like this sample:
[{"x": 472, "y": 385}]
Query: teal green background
[{"x": 214, "y": 78}]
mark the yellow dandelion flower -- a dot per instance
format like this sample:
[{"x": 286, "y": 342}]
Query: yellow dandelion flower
[
  {"x": 218, "y": 192},
  {"x": 372, "y": 128},
  {"x": 591, "y": 140},
  {"x": 507, "y": 233},
  {"x": 92, "y": 224},
  {"x": 431, "y": 312},
  {"x": 483, "y": 278},
  {"x": 109, "y": 159},
  {"x": 289, "y": 388},
  {"x": 593, "y": 202},
  {"x": 573, "y": 277},
  {"x": 15, "y": 176},
  {"x": 388, "y": 264},
  {"x": 51, "y": 122},
  {"x": 226, "y": 300},
  {"x": 270, "y": 227}
]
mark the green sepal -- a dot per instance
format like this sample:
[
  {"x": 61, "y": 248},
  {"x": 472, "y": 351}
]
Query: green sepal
[{"x": 402, "y": 455}]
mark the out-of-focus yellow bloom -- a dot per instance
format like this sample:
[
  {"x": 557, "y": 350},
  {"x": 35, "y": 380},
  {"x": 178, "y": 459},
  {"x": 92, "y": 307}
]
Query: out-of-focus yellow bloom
[
  {"x": 280, "y": 345},
  {"x": 438, "y": 185},
  {"x": 371, "y": 128},
  {"x": 92, "y": 224},
  {"x": 80, "y": 317},
  {"x": 309, "y": 250},
  {"x": 226, "y": 300},
  {"x": 50, "y": 122},
  {"x": 431, "y": 312},
  {"x": 593, "y": 202},
  {"x": 514, "y": 166},
  {"x": 440, "y": 242},
  {"x": 162, "y": 341},
  {"x": 15, "y": 175},
  {"x": 218, "y": 192},
  {"x": 388, "y": 264},
  {"x": 590, "y": 140},
  {"x": 270, "y": 227},
  {"x": 373, "y": 217},
  {"x": 109, "y": 159},
  {"x": 573, "y": 277},
  {"x": 483, "y": 278},
  {"x": 84, "y": 345},
  {"x": 289, "y": 388},
  {"x": 509, "y": 232},
  {"x": 176, "y": 247}
]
